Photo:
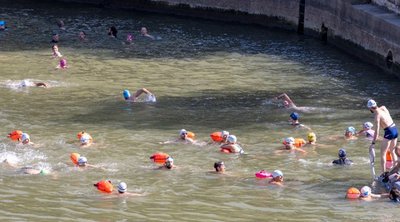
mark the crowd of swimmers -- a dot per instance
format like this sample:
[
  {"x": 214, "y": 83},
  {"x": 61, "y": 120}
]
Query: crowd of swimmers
[{"x": 228, "y": 143}]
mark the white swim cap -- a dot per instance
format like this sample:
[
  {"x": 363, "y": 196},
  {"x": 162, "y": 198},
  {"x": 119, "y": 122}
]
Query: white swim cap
[
  {"x": 183, "y": 131},
  {"x": 85, "y": 138},
  {"x": 122, "y": 187},
  {"x": 365, "y": 191},
  {"x": 232, "y": 139},
  {"x": 277, "y": 173},
  {"x": 25, "y": 136},
  {"x": 82, "y": 161},
  {"x": 289, "y": 140},
  {"x": 371, "y": 103},
  {"x": 224, "y": 133},
  {"x": 169, "y": 162},
  {"x": 24, "y": 83},
  {"x": 368, "y": 125}
]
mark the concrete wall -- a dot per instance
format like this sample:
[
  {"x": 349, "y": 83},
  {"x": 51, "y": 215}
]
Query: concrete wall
[
  {"x": 356, "y": 26},
  {"x": 393, "y": 5}
]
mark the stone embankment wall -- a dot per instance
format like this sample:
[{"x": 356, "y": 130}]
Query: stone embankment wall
[
  {"x": 393, "y": 5},
  {"x": 359, "y": 27}
]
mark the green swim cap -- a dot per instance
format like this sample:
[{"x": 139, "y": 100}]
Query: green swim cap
[{"x": 44, "y": 172}]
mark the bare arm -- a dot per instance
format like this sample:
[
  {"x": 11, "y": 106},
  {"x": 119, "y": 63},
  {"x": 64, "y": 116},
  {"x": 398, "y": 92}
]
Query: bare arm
[
  {"x": 377, "y": 126},
  {"x": 285, "y": 97}
]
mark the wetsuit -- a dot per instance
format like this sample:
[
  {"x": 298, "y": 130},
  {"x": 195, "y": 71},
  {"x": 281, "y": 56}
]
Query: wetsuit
[{"x": 342, "y": 161}]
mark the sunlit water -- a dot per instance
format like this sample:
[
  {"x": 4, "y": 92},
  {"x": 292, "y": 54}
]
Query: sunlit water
[{"x": 207, "y": 76}]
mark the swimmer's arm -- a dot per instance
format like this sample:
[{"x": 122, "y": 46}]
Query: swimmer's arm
[
  {"x": 300, "y": 150},
  {"x": 377, "y": 127},
  {"x": 41, "y": 84},
  {"x": 287, "y": 98}
]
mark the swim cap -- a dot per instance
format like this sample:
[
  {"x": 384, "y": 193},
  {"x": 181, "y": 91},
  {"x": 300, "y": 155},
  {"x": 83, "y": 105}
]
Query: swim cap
[
  {"x": 312, "y": 137},
  {"x": 218, "y": 164},
  {"x": 289, "y": 140},
  {"x": 122, "y": 187},
  {"x": 126, "y": 94},
  {"x": 25, "y": 136},
  {"x": 24, "y": 83},
  {"x": 277, "y": 173},
  {"x": 182, "y": 132},
  {"x": 232, "y": 139},
  {"x": 342, "y": 153},
  {"x": 365, "y": 191},
  {"x": 351, "y": 130},
  {"x": 294, "y": 116},
  {"x": 169, "y": 161},
  {"x": 82, "y": 161},
  {"x": 44, "y": 172},
  {"x": 85, "y": 138},
  {"x": 2, "y": 23},
  {"x": 371, "y": 103},
  {"x": 224, "y": 133},
  {"x": 368, "y": 125}
]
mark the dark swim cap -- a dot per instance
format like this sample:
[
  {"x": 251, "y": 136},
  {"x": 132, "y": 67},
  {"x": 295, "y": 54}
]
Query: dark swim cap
[{"x": 294, "y": 116}]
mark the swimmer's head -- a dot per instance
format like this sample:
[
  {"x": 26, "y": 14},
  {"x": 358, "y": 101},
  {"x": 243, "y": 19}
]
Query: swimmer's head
[
  {"x": 44, "y": 172},
  {"x": 277, "y": 175},
  {"x": 294, "y": 116},
  {"x": 24, "y": 83},
  {"x": 63, "y": 63},
  {"x": 219, "y": 166},
  {"x": 129, "y": 38},
  {"x": 169, "y": 162},
  {"x": 289, "y": 140},
  {"x": 183, "y": 133},
  {"x": 232, "y": 139},
  {"x": 342, "y": 153},
  {"x": 25, "y": 138},
  {"x": 126, "y": 94},
  {"x": 350, "y": 131},
  {"x": 143, "y": 30},
  {"x": 82, "y": 161},
  {"x": 85, "y": 139},
  {"x": 285, "y": 103},
  {"x": 2, "y": 23},
  {"x": 312, "y": 137},
  {"x": 371, "y": 104},
  {"x": 122, "y": 187},
  {"x": 82, "y": 35},
  {"x": 365, "y": 191},
  {"x": 224, "y": 134},
  {"x": 368, "y": 125}
]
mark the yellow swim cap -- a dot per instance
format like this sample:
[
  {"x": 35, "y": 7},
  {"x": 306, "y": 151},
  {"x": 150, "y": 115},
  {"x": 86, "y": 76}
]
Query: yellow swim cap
[{"x": 312, "y": 137}]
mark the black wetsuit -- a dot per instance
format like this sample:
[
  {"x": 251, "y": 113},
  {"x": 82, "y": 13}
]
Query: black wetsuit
[{"x": 342, "y": 161}]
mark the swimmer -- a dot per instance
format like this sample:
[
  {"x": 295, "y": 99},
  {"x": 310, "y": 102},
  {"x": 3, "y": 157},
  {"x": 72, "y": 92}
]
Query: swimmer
[
  {"x": 55, "y": 38},
  {"x": 312, "y": 138},
  {"x": 129, "y": 38},
  {"x": 85, "y": 139},
  {"x": 350, "y": 133},
  {"x": 123, "y": 188},
  {"x": 3, "y": 25},
  {"x": 128, "y": 97},
  {"x": 367, "y": 195},
  {"x": 26, "y": 139},
  {"x": 219, "y": 167},
  {"x": 289, "y": 144},
  {"x": 396, "y": 165},
  {"x": 112, "y": 31},
  {"x": 82, "y": 35},
  {"x": 277, "y": 178},
  {"x": 343, "y": 160},
  {"x": 231, "y": 146},
  {"x": 367, "y": 130},
  {"x": 289, "y": 104},
  {"x": 183, "y": 137},
  {"x": 26, "y": 83},
  {"x": 143, "y": 32},
  {"x": 219, "y": 137},
  {"x": 294, "y": 121},
  {"x": 60, "y": 24},
  {"x": 62, "y": 64},
  {"x": 82, "y": 163},
  {"x": 27, "y": 169},
  {"x": 385, "y": 121},
  {"x": 168, "y": 165},
  {"x": 56, "y": 53}
]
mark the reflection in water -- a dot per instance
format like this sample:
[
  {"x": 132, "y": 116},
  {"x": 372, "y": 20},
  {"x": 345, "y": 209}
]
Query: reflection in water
[{"x": 207, "y": 77}]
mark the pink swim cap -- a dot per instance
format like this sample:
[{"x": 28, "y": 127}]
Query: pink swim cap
[{"x": 63, "y": 63}]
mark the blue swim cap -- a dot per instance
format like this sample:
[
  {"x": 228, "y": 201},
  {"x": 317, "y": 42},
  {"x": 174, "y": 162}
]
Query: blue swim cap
[
  {"x": 342, "y": 153},
  {"x": 351, "y": 130},
  {"x": 2, "y": 23},
  {"x": 294, "y": 116},
  {"x": 126, "y": 94}
]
